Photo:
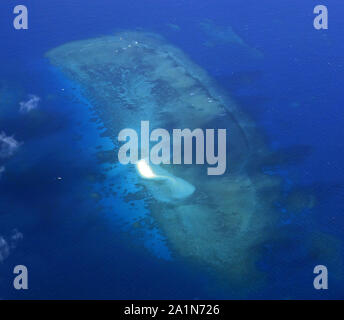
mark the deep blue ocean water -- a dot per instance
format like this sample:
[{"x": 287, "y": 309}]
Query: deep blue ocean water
[{"x": 73, "y": 245}]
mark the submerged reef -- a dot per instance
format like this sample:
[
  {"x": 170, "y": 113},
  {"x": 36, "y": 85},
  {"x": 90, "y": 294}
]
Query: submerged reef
[
  {"x": 134, "y": 76},
  {"x": 225, "y": 35}
]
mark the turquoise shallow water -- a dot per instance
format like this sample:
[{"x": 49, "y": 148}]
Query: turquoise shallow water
[
  {"x": 80, "y": 236},
  {"x": 80, "y": 202}
]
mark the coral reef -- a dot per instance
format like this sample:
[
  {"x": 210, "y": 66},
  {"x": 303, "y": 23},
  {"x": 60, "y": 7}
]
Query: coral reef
[{"x": 133, "y": 76}]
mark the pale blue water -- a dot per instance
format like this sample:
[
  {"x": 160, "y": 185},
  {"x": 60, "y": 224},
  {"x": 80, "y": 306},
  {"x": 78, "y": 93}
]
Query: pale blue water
[{"x": 77, "y": 246}]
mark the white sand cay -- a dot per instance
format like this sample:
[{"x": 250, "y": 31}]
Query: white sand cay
[{"x": 162, "y": 185}]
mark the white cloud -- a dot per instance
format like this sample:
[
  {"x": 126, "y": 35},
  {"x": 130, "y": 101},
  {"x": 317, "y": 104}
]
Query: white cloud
[
  {"x": 2, "y": 170},
  {"x": 6, "y": 245},
  {"x": 31, "y": 104},
  {"x": 8, "y": 145},
  {"x": 4, "y": 249},
  {"x": 15, "y": 237}
]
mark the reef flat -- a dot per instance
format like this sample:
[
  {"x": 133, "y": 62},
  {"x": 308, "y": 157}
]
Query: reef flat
[{"x": 134, "y": 76}]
